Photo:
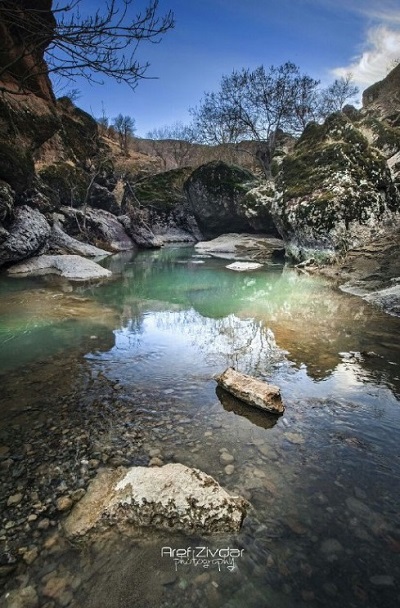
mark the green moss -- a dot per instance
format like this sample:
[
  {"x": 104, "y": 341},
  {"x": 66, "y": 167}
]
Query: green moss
[
  {"x": 164, "y": 190},
  {"x": 66, "y": 184},
  {"x": 16, "y": 166},
  {"x": 220, "y": 178},
  {"x": 79, "y": 134}
]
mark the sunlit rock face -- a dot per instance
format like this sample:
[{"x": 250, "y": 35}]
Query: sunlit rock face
[
  {"x": 336, "y": 192},
  {"x": 221, "y": 201},
  {"x": 22, "y": 47}
]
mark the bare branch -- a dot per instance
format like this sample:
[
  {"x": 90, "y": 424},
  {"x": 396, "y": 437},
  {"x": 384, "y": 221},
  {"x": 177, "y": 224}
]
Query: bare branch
[{"x": 100, "y": 45}]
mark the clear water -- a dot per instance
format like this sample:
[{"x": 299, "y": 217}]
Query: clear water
[{"x": 112, "y": 372}]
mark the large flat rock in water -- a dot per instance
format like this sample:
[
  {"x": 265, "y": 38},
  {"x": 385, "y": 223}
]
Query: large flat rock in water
[
  {"x": 242, "y": 246},
  {"x": 254, "y": 392},
  {"x": 73, "y": 267},
  {"x": 172, "y": 497}
]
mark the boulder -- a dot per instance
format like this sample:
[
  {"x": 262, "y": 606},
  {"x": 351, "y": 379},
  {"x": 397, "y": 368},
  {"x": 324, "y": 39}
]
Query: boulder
[
  {"x": 172, "y": 497},
  {"x": 388, "y": 299},
  {"x": 101, "y": 198},
  {"x": 158, "y": 209},
  {"x": 219, "y": 198},
  {"x": 140, "y": 232},
  {"x": 28, "y": 235},
  {"x": 72, "y": 267},
  {"x": 336, "y": 192},
  {"x": 64, "y": 183},
  {"x": 254, "y": 392},
  {"x": 62, "y": 242},
  {"x": 242, "y": 246},
  {"x": 100, "y": 227}
]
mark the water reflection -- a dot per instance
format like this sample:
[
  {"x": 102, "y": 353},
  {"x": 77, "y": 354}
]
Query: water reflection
[
  {"x": 304, "y": 316},
  {"x": 230, "y": 404}
]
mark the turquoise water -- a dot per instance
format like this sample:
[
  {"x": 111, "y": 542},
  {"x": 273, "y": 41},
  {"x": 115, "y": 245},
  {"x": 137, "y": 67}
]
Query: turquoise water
[{"x": 140, "y": 352}]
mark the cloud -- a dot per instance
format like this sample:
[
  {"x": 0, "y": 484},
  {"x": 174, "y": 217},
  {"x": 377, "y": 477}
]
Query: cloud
[{"x": 381, "y": 51}]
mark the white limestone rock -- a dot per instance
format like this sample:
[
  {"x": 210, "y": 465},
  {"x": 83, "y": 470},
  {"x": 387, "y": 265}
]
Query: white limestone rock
[
  {"x": 72, "y": 267},
  {"x": 173, "y": 497},
  {"x": 244, "y": 266},
  {"x": 242, "y": 246}
]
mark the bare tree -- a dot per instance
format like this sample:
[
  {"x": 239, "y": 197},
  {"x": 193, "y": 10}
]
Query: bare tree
[
  {"x": 125, "y": 128},
  {"x": 103, "y": 121},
  {"x": 173, "y": 142},
  {"x": 103, "y": 44},
  {"x": 257, "y": 105},
  {"x": 334, "y": 97}
]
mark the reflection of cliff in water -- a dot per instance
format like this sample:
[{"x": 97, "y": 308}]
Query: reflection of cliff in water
[
  {"x": 230, "y": 404},
  {"x": 249, "y": 320}
]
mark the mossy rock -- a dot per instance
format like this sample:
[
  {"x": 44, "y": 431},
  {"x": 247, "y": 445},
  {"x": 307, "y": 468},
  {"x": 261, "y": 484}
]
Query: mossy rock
[
  {"x": 65, "y": 184},
  {"x": 335, "y": 189},
  {"x": 79, "y": 133},
  {"x": 219, "y": 198},
  {"x": 163, "y": 191},
  {"x": 16, "y": 166}
]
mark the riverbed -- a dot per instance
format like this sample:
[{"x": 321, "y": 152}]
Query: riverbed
[{"x": 120, "y": 373}]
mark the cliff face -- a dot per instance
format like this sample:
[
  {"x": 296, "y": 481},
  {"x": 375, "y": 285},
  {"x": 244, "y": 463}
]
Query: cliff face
[
  {"x": 25, "y": 32},
  {"x": 383, "y": 98}
]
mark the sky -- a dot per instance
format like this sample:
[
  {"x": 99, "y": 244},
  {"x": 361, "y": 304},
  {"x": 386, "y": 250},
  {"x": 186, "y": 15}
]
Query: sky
[{"x": 325, "y": 38}]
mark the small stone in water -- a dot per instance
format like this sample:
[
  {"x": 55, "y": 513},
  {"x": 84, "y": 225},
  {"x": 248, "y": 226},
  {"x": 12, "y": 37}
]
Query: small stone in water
[
  {"x": 154, "y": 452},
  {"x": 226, "y": 458},
  {"x": 295, "y": 438},
  {"x": 30, "y": 556},
  {"x": 156, "y": 462},
  {"x": 229, "y": 469},
  {"x": 382, "y": 580},
  {"x": 331, "y": 545},
  {"x": 14, "y": 500},
  {"x": 64, "y": 503}
]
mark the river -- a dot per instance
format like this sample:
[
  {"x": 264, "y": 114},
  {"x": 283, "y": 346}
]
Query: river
[{"x": 116, "y": 374}]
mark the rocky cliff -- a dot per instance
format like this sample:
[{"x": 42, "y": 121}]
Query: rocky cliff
[{"x": 382, "y": 99}]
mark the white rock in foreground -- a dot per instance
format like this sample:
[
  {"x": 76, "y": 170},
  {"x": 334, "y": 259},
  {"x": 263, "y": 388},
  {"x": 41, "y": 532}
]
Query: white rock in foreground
[
  {"x": 244, "y": 266},
  {"x": 254, "y": 392},
  {"x": 172, "y": 497},
  {"x": 73, "y": 267}
]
